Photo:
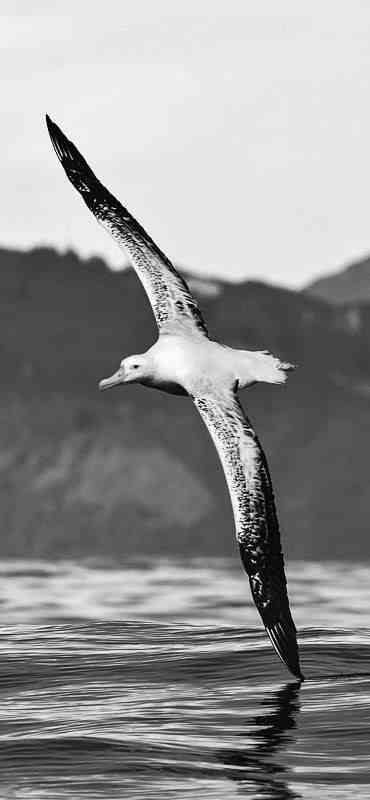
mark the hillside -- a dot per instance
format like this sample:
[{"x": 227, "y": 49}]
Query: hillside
[
  {"x": 133, "y": 470},
  {"x": 349, "y": 285}
]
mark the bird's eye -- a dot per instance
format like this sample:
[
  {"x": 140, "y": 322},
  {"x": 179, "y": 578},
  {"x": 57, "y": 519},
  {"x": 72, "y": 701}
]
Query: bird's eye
[{"x": 135, "y": 366}]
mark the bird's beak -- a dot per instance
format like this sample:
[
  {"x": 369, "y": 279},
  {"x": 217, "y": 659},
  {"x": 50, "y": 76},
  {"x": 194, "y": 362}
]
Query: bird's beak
[{"x": 114, "y": 380}]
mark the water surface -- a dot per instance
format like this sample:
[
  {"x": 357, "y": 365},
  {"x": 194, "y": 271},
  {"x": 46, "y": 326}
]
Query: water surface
[{"x": 156, "y": 680}]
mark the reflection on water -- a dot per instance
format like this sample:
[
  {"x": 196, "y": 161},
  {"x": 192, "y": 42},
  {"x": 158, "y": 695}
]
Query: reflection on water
[
  {"x": 263, "y": 760},
  {"x": 94, "y": 704}
]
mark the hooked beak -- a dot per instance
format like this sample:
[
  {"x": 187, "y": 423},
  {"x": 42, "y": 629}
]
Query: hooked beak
[{"x": 114, "y": 380}]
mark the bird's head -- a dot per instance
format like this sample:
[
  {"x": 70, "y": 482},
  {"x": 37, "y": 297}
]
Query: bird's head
[{"x": 133, "y": 369}]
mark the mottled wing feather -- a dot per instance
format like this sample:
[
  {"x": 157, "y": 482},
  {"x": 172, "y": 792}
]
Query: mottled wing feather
[
  {"x": 257, "y": 528},
  {"x": 173, "y": 305}
]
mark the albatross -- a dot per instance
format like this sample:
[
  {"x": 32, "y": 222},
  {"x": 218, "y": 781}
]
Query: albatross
[{"x": 185, "y": 360}]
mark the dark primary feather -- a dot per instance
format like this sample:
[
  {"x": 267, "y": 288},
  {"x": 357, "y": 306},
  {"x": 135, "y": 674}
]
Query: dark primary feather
[
  {"x": 256, "y": 522},
  {"x": 169, "y": 295}
]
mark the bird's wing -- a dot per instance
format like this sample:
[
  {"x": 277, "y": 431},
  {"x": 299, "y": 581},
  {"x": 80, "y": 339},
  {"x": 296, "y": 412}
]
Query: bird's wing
[
  {"x": 257, "y": 529},
  {"x": 173, "y": 305}
]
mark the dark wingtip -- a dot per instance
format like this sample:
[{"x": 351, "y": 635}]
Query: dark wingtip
[
  {"x": 51, "y": 126},
  {"x": 283, "y": 638},
  {"x": 73, "y": 163},
  {"x": 297, "y": 673},
  {"x": 58, "y": 139}
]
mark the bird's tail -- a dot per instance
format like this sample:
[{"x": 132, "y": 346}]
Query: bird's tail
[
  {"x": 270, "y": 369},
  {"x": 256, "y": 366}
]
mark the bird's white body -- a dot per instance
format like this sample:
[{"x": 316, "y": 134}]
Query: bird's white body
[{"x": 189, "y": 363}]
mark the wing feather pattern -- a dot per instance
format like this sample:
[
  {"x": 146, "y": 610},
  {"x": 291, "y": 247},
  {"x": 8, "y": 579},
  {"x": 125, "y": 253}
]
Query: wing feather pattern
[
  {"x": 173, "y": 305},
  {"x": 257, "y": 528}
]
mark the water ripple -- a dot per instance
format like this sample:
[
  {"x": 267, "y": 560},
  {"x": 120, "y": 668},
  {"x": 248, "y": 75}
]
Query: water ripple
[{"x": 103, "y": 708}]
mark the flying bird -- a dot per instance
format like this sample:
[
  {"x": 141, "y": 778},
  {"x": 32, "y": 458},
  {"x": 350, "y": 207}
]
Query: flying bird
[{"x": 184, "y": 360}]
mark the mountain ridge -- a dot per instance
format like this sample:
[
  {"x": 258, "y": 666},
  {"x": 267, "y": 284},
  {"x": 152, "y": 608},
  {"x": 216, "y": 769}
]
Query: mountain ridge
[
  {"x": 350, "y": 284},
  {"x": 133, "y": 471}
]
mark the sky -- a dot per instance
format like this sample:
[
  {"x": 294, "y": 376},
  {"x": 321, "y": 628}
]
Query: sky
[{"x": 238, "y": 132}]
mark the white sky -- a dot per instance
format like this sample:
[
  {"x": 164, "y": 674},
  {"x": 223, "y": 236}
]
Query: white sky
[{"x": 237, "y": 132}]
